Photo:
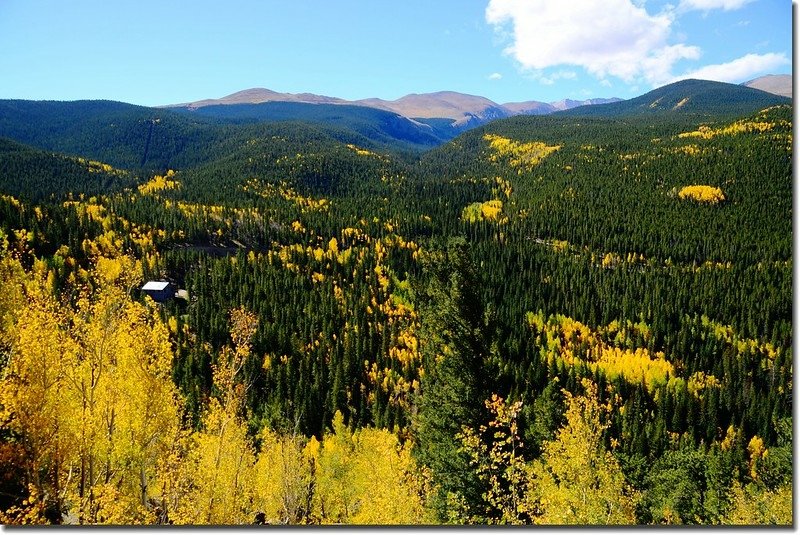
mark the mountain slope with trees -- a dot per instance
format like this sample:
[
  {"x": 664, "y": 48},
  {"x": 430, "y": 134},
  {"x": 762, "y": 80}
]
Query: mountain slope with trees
[
  {"x": 696, "y": 97},
  {"x": 550, "y": 319}
]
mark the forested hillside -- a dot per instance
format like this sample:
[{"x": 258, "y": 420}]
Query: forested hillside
[
  {"x": 378, "y": 125},
  {"x": 700, "y": 98},
  {"x": 561, "y": 319}
]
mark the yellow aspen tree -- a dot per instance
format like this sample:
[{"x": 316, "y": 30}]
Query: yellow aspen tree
[
  {"x": 577, "y": 481},
  {"x": 218, "y": 469},
  {"x": 91, "y": 396},
  {"x": 390, "y": 488},
  {"x": 285, "y": 480},
  {"x": 754, "y": 505},
  {"x": 128, "y": 408},
  {"x": 500, "y": 464},
  {"x": 34, "y": 403},
  {"x": 368, "y": 477},
  {"x": 335, "y": 498},
  {"x": 220, "y": 459},
  {"x": 12, "y": 298}
]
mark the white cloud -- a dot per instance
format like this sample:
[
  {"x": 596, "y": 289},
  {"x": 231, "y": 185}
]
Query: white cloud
[
  {"x": 494, "y": 76},
  {"x": 738, "y": 70},
  {"x": 707, "y": 5},
  {"x": 550, "y": 79},
  {"x": 611, "y": 38}
]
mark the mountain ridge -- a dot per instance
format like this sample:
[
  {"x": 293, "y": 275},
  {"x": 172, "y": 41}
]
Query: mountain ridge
[
  {"x": 464, "y": 109},
  {"x": 690, "y": 96},
  {"x": 157, "y": 138}
]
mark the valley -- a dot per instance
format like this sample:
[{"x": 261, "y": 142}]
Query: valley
[{"x": 394, "y": 317}]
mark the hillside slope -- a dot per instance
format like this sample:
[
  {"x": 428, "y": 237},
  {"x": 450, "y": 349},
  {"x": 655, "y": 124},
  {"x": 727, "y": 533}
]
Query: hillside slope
[
  {"x": 123, "y": 135},
  {"x": 636, "y": 270},
  {"x": 35, "y": 175},
  {"x": 154, "y": 139},
  {"x": 688, "y": 97},
  {"x": 377, "y": 125}
]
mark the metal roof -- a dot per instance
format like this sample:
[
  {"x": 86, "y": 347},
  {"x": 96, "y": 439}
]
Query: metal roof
[{"x": 156, "y": 286}]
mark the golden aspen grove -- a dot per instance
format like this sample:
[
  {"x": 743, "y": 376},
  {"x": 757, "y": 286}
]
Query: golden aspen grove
[{"x": 582, "y": 318}]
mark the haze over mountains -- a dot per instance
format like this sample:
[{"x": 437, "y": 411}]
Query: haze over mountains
[{"x": 426, "y": 119}]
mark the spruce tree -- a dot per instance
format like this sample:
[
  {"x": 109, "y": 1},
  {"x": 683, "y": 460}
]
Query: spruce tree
[{"x": 454, "y": 385}]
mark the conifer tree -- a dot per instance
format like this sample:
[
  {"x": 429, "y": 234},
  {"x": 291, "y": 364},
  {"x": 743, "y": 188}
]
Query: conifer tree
[{"x": 453, "y": 348}]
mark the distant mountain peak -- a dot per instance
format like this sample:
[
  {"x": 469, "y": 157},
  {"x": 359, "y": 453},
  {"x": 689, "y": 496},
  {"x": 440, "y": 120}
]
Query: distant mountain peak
[
  {"x": 441, "y": 104},
  {"x": 258, "y": 95},
  {"x": 777, "y": 84}
]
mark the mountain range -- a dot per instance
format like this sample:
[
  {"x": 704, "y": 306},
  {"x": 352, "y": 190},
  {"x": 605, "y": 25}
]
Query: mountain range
[
  {"x": 130, "y": 136},
  {"x": 463, "y": 109}
]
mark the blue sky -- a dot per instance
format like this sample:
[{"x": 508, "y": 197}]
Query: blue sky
[{"x": 153, "y": 52}]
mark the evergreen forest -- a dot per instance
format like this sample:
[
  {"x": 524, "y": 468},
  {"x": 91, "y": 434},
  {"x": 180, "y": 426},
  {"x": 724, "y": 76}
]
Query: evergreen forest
[{"x": 581, "y": 318}]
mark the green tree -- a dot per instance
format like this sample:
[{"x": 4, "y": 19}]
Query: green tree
[
  {"x": 676, "y": 486},
  {"x": 544, "y": 416},
  {"x": 454, "y": 349}
]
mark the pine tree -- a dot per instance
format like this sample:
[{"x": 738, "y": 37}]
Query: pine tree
[{"x": 453, "y": 387}]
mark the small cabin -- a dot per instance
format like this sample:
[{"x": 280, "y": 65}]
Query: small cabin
[{"x": 159, "y": 291}]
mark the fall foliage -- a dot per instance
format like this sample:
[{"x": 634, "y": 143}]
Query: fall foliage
[
  {"x": 538, "y": 323},
  {"x": 706, "y": 194}
]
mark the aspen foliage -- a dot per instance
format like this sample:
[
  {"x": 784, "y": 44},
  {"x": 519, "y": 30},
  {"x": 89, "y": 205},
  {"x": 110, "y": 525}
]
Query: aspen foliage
[
  {"x": 35, "y": 401},
  {"x": 220, "y": 457},
  {"x": 754, "y": 505},
  {"x": 89, "y": 390},
  {"x": 389, "y": 488},
  {"x": 364, "y": 152},
  {"x": 160, "y": 183},
  {"x": 367, "y": 477},
  {"x": 13, "y": 201},
  {"x": 484, "y": 211},
  {"x": 500, "y": 464},
  {"x": 217, "y": 472},
  {"x": 524, "y": 156},
  {"x": 129, "y": 409},
  {"x": 335, "y": 501},
  {"x": 577, "y": 481},
  {"x": 12, "y": 298},
  {"x": 100, "y": 167},
  {"x": 701, "y": 193},
  {"x": 608, "y": 349},
  {"x": 285, "y": 191},
  {"x": 738, "y": 127},
  {"x": 502, "y": 186},
  {"x": 284, "y": 481}
]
